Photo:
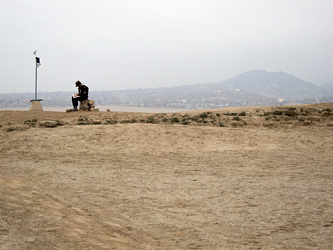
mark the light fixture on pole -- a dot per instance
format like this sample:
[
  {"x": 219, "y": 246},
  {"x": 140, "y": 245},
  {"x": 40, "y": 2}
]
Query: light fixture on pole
[{"x": 35, "y": 103}]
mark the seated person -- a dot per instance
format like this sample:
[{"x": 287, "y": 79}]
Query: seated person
[{"x": 82, "y": 95}]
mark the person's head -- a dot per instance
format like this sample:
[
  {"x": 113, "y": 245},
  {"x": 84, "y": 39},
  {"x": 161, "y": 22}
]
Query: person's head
[{"x": 78, "y": 83}]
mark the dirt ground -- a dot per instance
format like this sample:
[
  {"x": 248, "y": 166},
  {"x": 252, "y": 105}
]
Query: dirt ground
[{"x": 164, "y": 186}]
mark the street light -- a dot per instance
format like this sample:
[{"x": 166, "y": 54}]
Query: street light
[
  {"x": 35, "y": 103},
  {"x": 37, "y": 65}
]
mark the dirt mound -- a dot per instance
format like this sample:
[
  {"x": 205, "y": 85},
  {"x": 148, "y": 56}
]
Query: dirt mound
[{"x": 285, "y": 116}]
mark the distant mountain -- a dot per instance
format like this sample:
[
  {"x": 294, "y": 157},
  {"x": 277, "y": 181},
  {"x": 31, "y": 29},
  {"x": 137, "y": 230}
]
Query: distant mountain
[
  {"x": 328, "y": 88},
  {"x": 273, "y": 84},
  {"x": 253, "y": 88}
]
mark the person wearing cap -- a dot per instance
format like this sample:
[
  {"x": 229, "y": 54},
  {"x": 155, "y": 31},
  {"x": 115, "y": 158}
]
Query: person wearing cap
[{"x": 82, "y": 95}]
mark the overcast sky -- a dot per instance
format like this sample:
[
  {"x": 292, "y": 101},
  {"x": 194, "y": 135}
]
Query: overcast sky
[{"x": 125, "y": 44}]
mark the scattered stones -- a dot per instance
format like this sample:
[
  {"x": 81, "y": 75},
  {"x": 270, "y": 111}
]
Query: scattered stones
[
  {"x": 48, "y": 123},
  {"x": 268, "y": 117},
  {"x": 82, "y": 120},
  {"x": 10, "y": 127},
  {"x": 31, "y": 123}
]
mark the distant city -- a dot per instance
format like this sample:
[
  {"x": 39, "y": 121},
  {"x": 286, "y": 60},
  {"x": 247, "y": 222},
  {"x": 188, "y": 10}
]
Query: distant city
[{"x": 253, "y": 88}]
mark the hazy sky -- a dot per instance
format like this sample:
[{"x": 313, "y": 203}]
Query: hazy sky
[{"x": 124, "y": 44}]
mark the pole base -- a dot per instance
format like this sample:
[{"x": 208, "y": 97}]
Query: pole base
[{"x": 36, "y": 105}]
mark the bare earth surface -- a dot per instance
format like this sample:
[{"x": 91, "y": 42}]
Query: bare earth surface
[{"x": 137, "y": 181}]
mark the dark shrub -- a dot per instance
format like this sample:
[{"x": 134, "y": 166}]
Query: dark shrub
[
  {"x": 175, "y": 120},
  {"x": 151, "y": 119},
  {"x": 203, "y": 115},
  {"x": 277, "y": 112}
]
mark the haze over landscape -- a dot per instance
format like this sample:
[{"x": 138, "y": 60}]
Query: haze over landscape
[
  {"x": 117, "y": 45},
  {"x": 253, "y": 88},
  {"x": 243, "y": 160}
]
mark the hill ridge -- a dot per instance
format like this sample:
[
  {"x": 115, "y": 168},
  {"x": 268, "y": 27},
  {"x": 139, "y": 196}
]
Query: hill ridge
[{"x": 251, "y": 88}]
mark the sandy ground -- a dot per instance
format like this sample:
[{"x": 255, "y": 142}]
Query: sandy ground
[{"x": 163, "y": 186}]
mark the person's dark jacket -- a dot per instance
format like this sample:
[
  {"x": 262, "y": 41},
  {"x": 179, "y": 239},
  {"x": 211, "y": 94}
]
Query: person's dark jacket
[{"x": 83, "y": 92}]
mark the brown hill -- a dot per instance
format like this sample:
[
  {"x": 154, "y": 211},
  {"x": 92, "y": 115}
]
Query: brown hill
[{"x": 238, "y": 178}]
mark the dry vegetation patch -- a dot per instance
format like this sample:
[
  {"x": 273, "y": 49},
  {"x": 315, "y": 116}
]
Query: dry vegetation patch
[{"x": 301, "y": 115}]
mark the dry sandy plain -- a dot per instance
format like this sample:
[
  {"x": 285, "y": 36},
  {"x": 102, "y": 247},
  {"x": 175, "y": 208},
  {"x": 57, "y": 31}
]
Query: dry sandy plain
[{"x": 241, "y": 178}]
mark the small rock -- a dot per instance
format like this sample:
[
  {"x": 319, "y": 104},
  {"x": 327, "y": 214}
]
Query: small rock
[
  {"x": 307, "y": 123},
  {"x": 326, "y": 113},
  {"x": 269, "y": 124},
  {"x": 82, "y": 118},
  {"x": 277, "y": 112},
  {"x": 61, "y": 122},
  {"x": 50, "y": 124},
  {"x": 97, "y": 122},
  {"x": 290, "y": 112}
]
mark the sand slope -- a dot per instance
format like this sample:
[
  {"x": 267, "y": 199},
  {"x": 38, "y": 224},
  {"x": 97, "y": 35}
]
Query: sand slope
[{"x": 163, "y": 185}]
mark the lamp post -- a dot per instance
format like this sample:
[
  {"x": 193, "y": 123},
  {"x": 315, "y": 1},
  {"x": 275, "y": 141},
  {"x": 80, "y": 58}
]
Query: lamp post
[
  {"x": 37, "y": 65},
  {"x": 35, "y": 103}
]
